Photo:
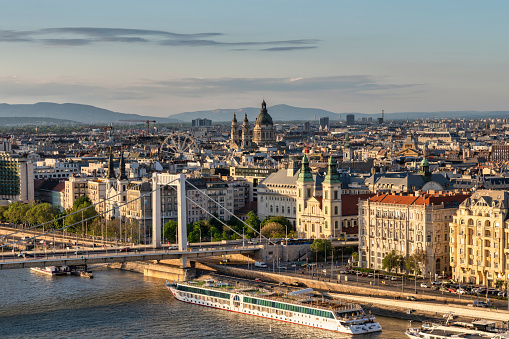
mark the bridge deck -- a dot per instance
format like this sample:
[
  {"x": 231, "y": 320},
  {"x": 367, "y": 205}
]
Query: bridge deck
[{"x": 66, "y": 259}]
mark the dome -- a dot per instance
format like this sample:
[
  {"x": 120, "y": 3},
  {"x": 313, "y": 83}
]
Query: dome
[
  {"x": 264, "y": 118},
  {"x": 424, "y": 162}
]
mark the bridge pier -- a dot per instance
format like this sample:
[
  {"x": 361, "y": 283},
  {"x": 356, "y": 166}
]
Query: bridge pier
[{"x": 179, "y": 180}]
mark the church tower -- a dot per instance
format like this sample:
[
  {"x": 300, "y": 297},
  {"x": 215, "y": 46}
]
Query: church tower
[
  {"x": 305, "y": 191},
  {"x": 246, "y": 134},
  {"x": 347, "y": 150},
  {"x": 110, "y": 179},
  {"x": 234, "y": 133},
  {"x": 331, "y": 200},
  {"x": 122, "y": 184}
]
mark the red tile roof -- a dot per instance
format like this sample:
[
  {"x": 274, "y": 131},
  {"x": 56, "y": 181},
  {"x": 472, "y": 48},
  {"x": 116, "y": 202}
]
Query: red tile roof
[{"x": 448, "y": 199}]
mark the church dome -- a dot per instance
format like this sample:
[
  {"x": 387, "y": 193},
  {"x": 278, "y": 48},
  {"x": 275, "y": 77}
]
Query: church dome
[
  {"x": 264, "y": 118},
  {"x": 424, "y": 162}
]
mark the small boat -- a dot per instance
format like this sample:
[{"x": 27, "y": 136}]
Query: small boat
[
  {"x": 53, "y": 270},
  {"x": 86, "y": 274}
]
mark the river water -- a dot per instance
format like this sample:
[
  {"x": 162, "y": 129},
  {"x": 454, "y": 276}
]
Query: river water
[{"x": 119, "y": 304}]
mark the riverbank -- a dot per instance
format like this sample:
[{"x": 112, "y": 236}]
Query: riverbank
[{"x": 377, "y": 301}]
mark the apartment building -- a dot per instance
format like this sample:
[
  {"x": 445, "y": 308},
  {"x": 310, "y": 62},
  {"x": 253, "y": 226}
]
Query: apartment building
[
  {"x": 480, "y": 238},
  {"x": 408, "y": 223}
]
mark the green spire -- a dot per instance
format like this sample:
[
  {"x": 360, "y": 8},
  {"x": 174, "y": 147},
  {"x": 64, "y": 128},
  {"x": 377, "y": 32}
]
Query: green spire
[
  {"x": 332, "y": 176},
  {"x": 347, "y": 141},
  {"x": 305, "y": 173}
]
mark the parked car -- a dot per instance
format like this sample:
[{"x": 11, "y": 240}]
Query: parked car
[
  {"x": 26, "y": 255},
  {"x": 424, "y": 285},
  {"x": 258, "y": 280},
  {"x": 364, "y": 274},
  {"x": 393, "y": 278},
  {"x": 411, "y": 297},
  {"x": 125, "y": 249},
  {"x": 343, "y": 272},
  {"x": 436, "y": 283},
  {"x": 282, "y": 267},
  {"x": 370, "y": 275}
]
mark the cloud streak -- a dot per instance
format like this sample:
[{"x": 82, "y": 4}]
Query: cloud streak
[{"x": 82, "y": 36}]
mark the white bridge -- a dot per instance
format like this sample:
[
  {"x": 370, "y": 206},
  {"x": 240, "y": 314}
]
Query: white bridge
[{"x": 156, "y": 252}]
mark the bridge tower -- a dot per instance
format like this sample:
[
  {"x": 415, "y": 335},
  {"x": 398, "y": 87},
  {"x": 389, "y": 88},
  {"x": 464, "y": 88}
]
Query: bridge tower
[{"x": 179, "y": 181}]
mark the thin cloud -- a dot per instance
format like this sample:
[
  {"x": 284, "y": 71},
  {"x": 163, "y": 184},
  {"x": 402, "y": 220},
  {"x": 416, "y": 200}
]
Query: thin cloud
[{"x": 82, "y": 36}]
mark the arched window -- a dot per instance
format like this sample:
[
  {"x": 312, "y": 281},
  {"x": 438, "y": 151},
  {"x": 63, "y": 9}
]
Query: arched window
[
  {"x": 335, "y": 195},
  {"x": 300, "y": 192},
  {"x": 462, "y": 222},
  {"x": 271, "y": 209},
  {"x": 300, "y": 208},
  {"x": 277, "y": 208},
  {"x": 288, "y": 209},
  {"x": 479, "y": 223},
  {"x": 487, "y": 223},
  {"x": 326, "y": 210},
  {"x": 294, "y": 210},
  {"x": 336, "y": 224},
  {"x": 336, "y": 210},
  {"x": 437, "y": 265}
]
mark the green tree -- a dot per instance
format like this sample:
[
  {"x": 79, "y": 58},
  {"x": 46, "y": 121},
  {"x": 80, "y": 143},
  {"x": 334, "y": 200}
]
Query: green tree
[
  {"x": 77, "y": 218},
  {"x": 170, "y": 231},
  {"x": 17, "y": 213},
  {"x": 280, "y": 220},
  {"x": 273, "y": 230},
  {"x": 321, "y": 248},
  {"x": 3, "y": 210},
  {"x": 42, "y": 213},
  {"x": 254, "y": 222},
  {"x": 416, "y": 262},
  {"x": 392, "y": 260}
]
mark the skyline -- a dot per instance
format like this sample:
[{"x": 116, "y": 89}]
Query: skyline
[{"x": 161, "y": 58}]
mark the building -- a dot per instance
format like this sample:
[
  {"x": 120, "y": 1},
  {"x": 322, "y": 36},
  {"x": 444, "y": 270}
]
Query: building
[
  {"x": 75, "y": 187},
  {"x": 55, "y": 169},
  {"x": 324, "y": 124},
  {"x": 263, "y": 133},
  {"x": 408, "y": 224},
  {"x": 16, "y": 178},
  {"x": 350, "y": 119},
  {"x": 253, "y": 175},
  {"x": 480, "y": 239},
  {"x": 201, "y": 122}
]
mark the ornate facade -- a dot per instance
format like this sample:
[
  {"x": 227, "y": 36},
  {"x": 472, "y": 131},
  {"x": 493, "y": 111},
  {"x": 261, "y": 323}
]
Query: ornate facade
[{"x": 480, "y": 239}]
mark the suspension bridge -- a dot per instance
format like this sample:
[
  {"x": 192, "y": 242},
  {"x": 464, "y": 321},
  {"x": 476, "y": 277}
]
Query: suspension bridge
[{"x": 156, "y": 251}]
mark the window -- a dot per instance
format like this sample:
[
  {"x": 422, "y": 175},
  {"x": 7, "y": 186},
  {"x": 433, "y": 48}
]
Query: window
[
  {"x": 336, "y": 210},
  {"x": 326, "y": 210},
  {"x": 309, "y": 192},
  {"x": 335, "y": 195},
  {"x": 326, "y": 194}
]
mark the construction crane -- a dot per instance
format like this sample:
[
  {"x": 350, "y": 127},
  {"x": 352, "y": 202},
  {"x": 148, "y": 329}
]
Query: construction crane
[
  {"x": 145, "y": 121},
  {"x": 105, "y": 128}
]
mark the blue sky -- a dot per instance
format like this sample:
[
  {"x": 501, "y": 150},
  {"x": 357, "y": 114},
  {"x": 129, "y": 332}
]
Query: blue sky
[{"x": 166, "y": 57}]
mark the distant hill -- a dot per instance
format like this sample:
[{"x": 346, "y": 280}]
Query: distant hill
[
  {"x": 74, "y": 112},
  {"x": 277, "y": 112},
  {"x": 290, "y": 113}
]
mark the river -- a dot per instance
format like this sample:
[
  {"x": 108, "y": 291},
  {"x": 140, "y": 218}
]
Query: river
[{"x": 119, "y": 304}]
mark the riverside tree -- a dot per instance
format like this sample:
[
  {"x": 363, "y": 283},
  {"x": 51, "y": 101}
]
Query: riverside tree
[
  {"x": 392, "y": 260},
  {"x": 321, "y": 248}
]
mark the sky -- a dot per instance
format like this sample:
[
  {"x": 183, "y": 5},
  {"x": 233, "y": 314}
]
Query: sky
[{"x": 165, "y": 57}]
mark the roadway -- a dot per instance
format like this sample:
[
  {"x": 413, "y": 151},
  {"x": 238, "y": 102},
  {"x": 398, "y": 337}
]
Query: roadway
[{"x": 111, "y": 255}]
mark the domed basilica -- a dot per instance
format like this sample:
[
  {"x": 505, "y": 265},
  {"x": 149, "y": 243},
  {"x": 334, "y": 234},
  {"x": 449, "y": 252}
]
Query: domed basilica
[{"x": 263, "y": 133}]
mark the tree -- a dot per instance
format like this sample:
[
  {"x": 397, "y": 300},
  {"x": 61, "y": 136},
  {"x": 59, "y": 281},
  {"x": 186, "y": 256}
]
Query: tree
[
  {"x": 3, "y": 210},
  {"x": 254, "y": 222},
  {"x": 170, "y": 230},
  {"x": 42, "y": 213},
  {"x": 392, "y": 260},
  {"x": 416, "y": 262},
  {"x": 280, "y": 220},
  {"x": 321, "y": 248},
  {"x": 273, "y": 230},
  {"x": 76, "y": 218},
  {"x": 17, "y": 213}
]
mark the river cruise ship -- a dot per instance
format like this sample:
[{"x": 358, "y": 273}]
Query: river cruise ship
[
  {"x": 298, "y": 309},
  {"x": 479, "y": 329}
]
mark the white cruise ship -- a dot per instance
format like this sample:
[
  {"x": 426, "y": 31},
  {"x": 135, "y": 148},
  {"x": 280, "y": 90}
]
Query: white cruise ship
[{"x": 328, "y": 315}]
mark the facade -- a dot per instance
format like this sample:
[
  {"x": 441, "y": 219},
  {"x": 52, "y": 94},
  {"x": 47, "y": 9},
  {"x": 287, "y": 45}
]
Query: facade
[
  {"x": 480, "y": 239},
  {"x": 406, "y": 224},
  {"x": 318, "y": 211},
  {"x": 350, "y": 119},
  {"x": 253, "y": 175},
  {"x": 16, "y": 178},
  {"x": 75, "y": 187},
  {"x": 55, "y": 169},
  {"x": 201, "y": 122},
  {"x": 324, "y": 124}
]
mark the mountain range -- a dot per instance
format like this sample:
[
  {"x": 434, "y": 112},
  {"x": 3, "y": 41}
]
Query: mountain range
[
  {"x": 68, "y": 113},
  {"x": 77, "y": 113}
]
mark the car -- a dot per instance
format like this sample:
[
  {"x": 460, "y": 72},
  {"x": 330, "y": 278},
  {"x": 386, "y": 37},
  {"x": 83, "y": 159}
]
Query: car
[
  {"x": 461, "y": 291},
  {"x": 436, "y": 283},
  {"x": 125, "y": 249},
  {"x": 258, "y": 280},
  {"x": 424, "y": 285},
  {"x": 451, "y": 289},
  {"x": 324, "y": 270},
  {"x": 411, "y": 297},
  {"x": 393, "y": 278},
  {"x": 370, "y": 275},
  {"x": 363, "y": 274},
  {"x": 78, "y": 252},
  {"x": 282, "y": 267},
  {"x": 26, "y": 255},
  {"x": 343, "y": 272},
  {"x": 282, "y": 283}
]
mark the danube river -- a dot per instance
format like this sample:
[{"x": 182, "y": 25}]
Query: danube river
[{"x": 118, "y": 304}]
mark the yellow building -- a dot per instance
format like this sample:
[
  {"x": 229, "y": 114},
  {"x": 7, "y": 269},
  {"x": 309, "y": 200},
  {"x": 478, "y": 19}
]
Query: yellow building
[{"x": 479, "y": 236}]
